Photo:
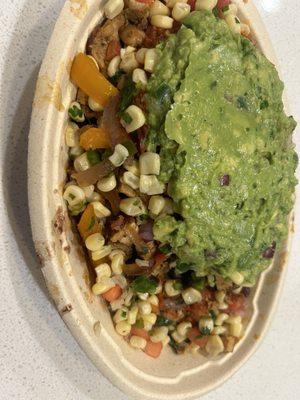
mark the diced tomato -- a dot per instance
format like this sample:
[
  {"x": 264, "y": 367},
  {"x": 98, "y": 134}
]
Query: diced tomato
[
  {"x": 159, "y": 258},
  {"x": 193, "y": 336},
  {"x": 153, "y": 349},
  {"x": 140, "y": 332},
  {"x": 236, "y": 303},
  {"x": 201, "y": 342},
  {"x": 173, "y": 315},
  {"x": 112, "y": 294},
  {"x": 198, "y": 310},
  {"x": 154, "y": 36},
  {"x": 192, "y": 3},
  {"x": 161, "y": 303},
  {"x": 223, "y": 3},
  {"x": 113, "y": 50},
  {"x": 208, "y": 294},
  {"x": 193, "y": 333}
]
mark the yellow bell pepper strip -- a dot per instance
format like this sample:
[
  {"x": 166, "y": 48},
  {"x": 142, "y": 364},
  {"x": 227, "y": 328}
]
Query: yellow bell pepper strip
[
  {"x": 86, "y": 76},
  {"x": 88, "y": 223},
  {"x": 94, "y": 138}
]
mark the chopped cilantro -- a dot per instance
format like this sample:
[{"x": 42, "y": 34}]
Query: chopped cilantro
[
  {"x": 163, "y": 93},
  {"x": 204, "y": 331},
  {"x": 142, "y": 284},
  {"x": 126, "y": 117},
  {"x": 182, "y": 267},
  {"x": 242, "y": 102},
  {"x": 224, "y": 9},
  {"x": 198, "y": 283},
  {"x": 128, "y": 92},
  {"x": 165, "y": 249},
  {"x": 130, "y": 146},
  {"x": 93, "y": 156},
  {"x": 163, "y": 321},
  {"x": 123, "y": 314},
  {"x": 107, "y": 153},
  {"x": 144, "y": 217},
  {"x": 212, "y": 315},
  {"x": 114, "y": 79},
  {"x": 177, "y": 285},
  {"x": 139, "y": 323},
  {"x": 72, "y": 197},
  {"x": 264, "y": 104},
  {"x": 91, "y": 224},
  {"x": 213, "y": 84},
  {"x": 76, "y": 113},
  {"x": 175, "y": 346},
  {"x": 215, "y": 12}
]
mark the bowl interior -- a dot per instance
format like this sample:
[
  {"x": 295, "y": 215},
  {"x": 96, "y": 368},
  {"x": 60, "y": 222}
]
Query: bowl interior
[{"x": 60, "y": 250}]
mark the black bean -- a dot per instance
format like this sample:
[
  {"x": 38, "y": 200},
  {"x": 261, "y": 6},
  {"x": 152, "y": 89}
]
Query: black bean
[
  {"x": 269, "y": 252},
  {"x": 224, "y": 180},
  {"x": 246, "y": 291}
]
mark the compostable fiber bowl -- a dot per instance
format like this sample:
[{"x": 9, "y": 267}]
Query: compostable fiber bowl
[{"x": 62, "y": 258}]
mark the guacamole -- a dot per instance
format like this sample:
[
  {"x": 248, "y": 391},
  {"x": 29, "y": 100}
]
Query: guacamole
[{"x": 216, "y": 117}]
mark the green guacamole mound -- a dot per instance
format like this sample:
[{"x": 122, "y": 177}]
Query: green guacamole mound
[{"x": 216, "y": 117}]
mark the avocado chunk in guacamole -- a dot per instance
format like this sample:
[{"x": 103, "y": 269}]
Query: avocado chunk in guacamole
[{"x": 216, "y": 117}]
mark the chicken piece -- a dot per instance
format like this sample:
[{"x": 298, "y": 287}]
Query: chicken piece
[
  {"x": 132, "y": 36},
  {"x": 137, "y": 13},
  {"x": 101, "y": 36},
  {"x": 154, "y": 36}
]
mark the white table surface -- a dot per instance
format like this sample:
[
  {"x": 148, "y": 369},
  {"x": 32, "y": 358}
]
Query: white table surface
[{"x": 39, "y": 359}]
